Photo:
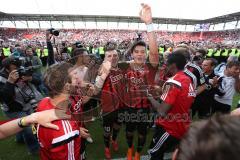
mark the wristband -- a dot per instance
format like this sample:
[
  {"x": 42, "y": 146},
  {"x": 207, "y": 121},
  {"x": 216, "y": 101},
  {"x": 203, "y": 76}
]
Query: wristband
[
  {"x": 22, "y": 123},
  {"x": 150, "y": 27}
]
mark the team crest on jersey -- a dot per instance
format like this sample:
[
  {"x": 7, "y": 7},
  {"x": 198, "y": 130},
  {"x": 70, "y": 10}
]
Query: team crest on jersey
[{"x": 192, "y": 91}]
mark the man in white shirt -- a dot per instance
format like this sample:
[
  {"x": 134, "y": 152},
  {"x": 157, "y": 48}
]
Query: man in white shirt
[{"x": 230, "y": 83}]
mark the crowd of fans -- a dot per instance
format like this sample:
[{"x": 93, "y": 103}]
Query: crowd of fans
[
  {"x": 162, "y": 85},
  {"x": 102, "y": 36}
]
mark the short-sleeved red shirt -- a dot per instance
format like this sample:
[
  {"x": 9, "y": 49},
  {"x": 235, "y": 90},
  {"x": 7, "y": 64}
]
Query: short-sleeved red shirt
[
  {"x": 179, "y": 93},
  {"x": 62, "y": 144},
  {"x": 113, "y": 91}
]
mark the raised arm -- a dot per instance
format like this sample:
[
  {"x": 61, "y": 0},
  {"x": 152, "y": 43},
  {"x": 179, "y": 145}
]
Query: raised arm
[
  {"x": 51, "y": 58},
  {"x": 146, "y": 17}
]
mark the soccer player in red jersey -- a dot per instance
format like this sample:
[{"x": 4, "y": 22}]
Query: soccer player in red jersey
[
  {"x": 111, "y": 99},
  {"x": 62, "y": 144},
  {"x": 174, "y": 111},
  {"x": 139, "y": 76}
]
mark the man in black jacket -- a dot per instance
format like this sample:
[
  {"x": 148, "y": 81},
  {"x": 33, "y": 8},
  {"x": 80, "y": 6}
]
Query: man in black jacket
[
  {"x": 18, "y": 98},
  {"x": 204, "y": 101}
]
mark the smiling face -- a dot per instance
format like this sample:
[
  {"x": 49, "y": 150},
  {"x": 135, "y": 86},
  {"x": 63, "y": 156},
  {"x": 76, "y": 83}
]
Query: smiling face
[
  {"x": 29, "y": 52},
  {"x": 139, "y": 54}
]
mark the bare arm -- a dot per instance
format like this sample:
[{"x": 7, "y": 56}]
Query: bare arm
[
  {"x": 43, "y": 118},
  {"x": 146, "y": 17},
  {"x": 162, "y": 108},
  {"x": 51, "y": 58},
  {"x": 9, "y": 128},
  {"x": 104, "y": 71}
]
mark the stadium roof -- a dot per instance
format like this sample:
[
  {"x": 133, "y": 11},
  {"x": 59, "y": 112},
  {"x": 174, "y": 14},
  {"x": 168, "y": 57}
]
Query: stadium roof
[
  {"x": 104, "y": 18},
  {"x": 175, "y": 9}
]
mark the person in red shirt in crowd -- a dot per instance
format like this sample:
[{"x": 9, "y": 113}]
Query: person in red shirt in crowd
[
  {"x": 139, "y": 76},
  {"x": 174, "y": 111},
  {"x": 111, "y": 99},
  {"x": 62, "y": 144},
  {"x": 162, "y": 74},
  {"x": 82, "y": 93}
]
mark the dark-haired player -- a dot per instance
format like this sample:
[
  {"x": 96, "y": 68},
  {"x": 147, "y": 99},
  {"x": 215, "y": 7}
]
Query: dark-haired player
[
  {"x": 139, "y": 76},
  {"x": 173, "y": 112},
  {"x": 111, "y": 99}
]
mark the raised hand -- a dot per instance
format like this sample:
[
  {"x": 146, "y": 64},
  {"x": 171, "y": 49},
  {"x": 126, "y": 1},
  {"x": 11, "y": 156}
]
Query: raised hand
[
  {"x": 13, "y": 76},
  {"x": 146, "y": 14}
]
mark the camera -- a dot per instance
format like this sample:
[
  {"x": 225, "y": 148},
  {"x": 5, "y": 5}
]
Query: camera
[
  {"x": 54, "y": 31},
  {"x": 22, "y": 71}
]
